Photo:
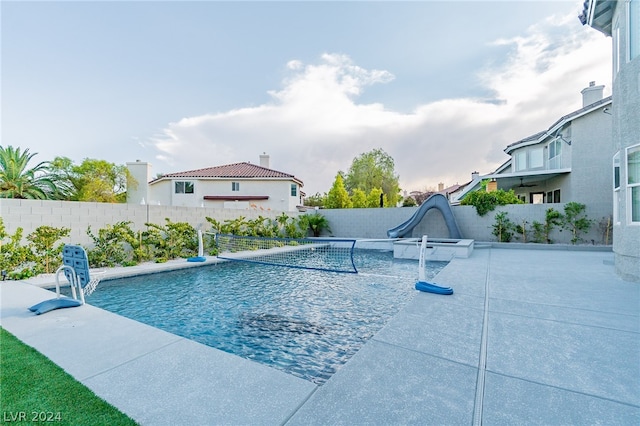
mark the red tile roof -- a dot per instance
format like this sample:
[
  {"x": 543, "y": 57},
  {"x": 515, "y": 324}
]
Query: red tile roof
[{"x": 236, "y": 170}]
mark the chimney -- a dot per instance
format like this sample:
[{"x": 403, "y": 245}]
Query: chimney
[
  {"x": 264, "y": 160},
  {"x": 440, "y": 187},
  {"x": 591, "y": 94},
  {"x": 475, "y": 175},
  {"x": 140, "y": 171}
]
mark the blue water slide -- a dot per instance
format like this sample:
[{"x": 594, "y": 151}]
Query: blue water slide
[{"x": 436, "y": 201}]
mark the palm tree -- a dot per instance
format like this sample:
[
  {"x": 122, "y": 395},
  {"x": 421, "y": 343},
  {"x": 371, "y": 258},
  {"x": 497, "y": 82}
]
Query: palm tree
[
  {"x": 317, "y": 223},
  {"x": 18, "y": 181}
]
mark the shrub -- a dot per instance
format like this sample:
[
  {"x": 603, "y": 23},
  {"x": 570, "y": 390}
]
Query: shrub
[
  {"x": 109, "y": 249},
  {"x": 175, "y": 239},
  {"x": 541, "y": 231},
  {"x": 46, "y": 253},
  {"x": 575, "y": 220},
  {"x": 521, "y": 230},
  {"x": 485, "y": 202},
  {"x": 409, "y": 202},
  {"x": 317, "y": 223},
  {"x": 12, "y": 254},
  {"x": 503, "y": 227}
]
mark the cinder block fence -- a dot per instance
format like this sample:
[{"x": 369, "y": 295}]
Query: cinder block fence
[{"x": 348, "y": 223}]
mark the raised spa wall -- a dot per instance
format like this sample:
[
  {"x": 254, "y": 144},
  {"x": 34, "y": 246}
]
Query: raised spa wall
[{"x": 438, "y": 249}]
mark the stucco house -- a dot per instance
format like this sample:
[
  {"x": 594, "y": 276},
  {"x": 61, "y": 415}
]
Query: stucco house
[
  {"x": 231, "y": 186},
  {"x": 569, "y": 161},
  {"x": 620, "y": 20}
]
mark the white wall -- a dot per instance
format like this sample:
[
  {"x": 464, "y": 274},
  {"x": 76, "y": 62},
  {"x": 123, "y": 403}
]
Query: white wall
[
  {"x": 78, "y": 216},
  {"x": 278, "y": 191}
]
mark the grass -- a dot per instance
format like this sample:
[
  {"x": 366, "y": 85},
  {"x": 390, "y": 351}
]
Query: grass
[{"x": 35, "y": 390}]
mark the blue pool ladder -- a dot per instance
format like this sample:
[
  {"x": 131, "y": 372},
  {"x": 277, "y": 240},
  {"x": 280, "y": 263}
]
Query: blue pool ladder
[{"x": 75, "y": 266}]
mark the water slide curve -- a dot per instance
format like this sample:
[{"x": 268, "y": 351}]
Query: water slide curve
[{"x": 436, "y": 201}]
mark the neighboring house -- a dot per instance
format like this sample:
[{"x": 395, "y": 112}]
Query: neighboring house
[
  {"x": 449, "y": 192},
  {"x": 569, "y": 161},
  {"x": 231, "y": 186},
  {"x": 621, "y": 21}
]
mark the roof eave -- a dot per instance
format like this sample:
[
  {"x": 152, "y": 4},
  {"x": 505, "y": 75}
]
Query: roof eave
[
  {"x": 558, "y": 124},
  {"x": 598, "y": 14}
]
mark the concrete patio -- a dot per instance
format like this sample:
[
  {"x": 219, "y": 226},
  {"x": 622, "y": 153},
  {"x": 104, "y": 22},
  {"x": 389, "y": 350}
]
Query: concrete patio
[{"x": 549, "y": 337}]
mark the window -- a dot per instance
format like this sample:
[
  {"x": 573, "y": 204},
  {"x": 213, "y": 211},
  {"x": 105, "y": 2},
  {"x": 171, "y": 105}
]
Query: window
[
  {"x": 616, "y": 171},
  {"x": 294, "y": 190},
  {"x": 521, "y": 160},
  {"x": 235, "y": 186},
  {"x": 536, "y": 158},
  {"x": 616, "y": 188},
  {"x": 553, "y": 196},
  {"x": 184, "y": 188},
  {"x": 633, "y": 183},
  {"x": 615, "y": 34},
  {"x": 536, "y": 197},
  {"x": 634, "y": 28},
  {"x": 555, "y": 154}
]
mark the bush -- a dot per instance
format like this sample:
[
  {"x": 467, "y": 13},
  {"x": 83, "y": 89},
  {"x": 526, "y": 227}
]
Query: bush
[
  {"x": 46, "y": 253},
  {"x": 317, "y": 223},
  {"x": 175, "y": 239},
  {"x": 575, "y": 220},
  {"x": 503, "y": 227},
  {"x": 12, "y": 254},
  {"x": 541, "y": 231},
  {"x": 108, "y": 247},
  {"x": 485, "y": 202},
  {"x": 409, "y": 202}
]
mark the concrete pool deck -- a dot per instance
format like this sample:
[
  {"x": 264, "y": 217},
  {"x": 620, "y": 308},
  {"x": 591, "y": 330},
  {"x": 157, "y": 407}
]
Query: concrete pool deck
[{"x": 529, "y": 337}]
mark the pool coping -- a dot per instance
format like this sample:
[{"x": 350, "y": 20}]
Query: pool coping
[{"x": 516, "y": 343}]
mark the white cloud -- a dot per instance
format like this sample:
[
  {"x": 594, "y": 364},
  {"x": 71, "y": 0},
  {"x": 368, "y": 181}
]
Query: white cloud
[{"x": 314, "y": 125}]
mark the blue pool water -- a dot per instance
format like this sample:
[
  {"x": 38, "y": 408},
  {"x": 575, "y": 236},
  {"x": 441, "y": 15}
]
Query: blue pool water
[{"x": 305, "y": 322}]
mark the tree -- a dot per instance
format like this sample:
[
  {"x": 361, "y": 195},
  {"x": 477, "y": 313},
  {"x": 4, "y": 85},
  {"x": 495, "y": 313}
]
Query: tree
[
  {"x": 317, "y": 223},
  {"x": 359, "y": 199},
  {"x": 338, "y": 197},
  {"x": 374, "y": 169},
  {"x": 409, "y": 202},
  {"x": 317, "y": 200},
  {"x": 94, "y": 180},
  {"x": 503, "y": 227},
  {"x": 373, "y": 198},
  {"x": 17, "y": 180},
  {"x": 424, "y": 196},
  {"x": 575, "y": 220},
  {"x": 45, "y": 250}
]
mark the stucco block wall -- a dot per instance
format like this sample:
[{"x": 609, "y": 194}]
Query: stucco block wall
[
  {"x": 348, "y": 223},
  {"x": 78, "y": 216},
  {"x": 374, "y": 223}
]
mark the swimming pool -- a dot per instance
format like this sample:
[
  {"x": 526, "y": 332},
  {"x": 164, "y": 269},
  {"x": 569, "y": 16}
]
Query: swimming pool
[{"x": 305, "y": 322}]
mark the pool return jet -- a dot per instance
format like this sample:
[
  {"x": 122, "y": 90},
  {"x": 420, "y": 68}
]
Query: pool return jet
[
  {"x": 75, "y": 266},
  {"x": 422, "y": 283}
]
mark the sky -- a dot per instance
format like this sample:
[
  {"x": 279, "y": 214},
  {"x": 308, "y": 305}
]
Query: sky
[{"x": 441, "y": 86}]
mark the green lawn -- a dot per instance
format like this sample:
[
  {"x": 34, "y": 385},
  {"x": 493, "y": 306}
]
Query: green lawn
[{"x": 34, "y": 390}]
